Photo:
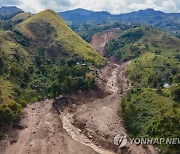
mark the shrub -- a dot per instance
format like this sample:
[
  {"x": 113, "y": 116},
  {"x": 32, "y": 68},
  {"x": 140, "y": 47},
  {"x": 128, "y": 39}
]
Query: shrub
[
  {"x": 176, "y": 93},
  {"x": 1, "y": 65},
  {"x": 9, "y": 113},
  {"x": 1, "y": 135}
]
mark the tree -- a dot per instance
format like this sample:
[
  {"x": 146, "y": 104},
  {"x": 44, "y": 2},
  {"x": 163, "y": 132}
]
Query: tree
[
  {"x": 1, "y": 65},
  {"x": 78, "y": 70},
  {"x": 15, "y": 107},
  {"x": 54, "y": 89},
  {"x": 154, "y": 81},
  {"x": 63, "y": 72},
  {"x": 176, "y": 93},
  {"x": 6, "y": 115},
  {"x": 90, "y": 78},
  {"x": 26, "y": 77},
  {"x": 9, "y": 113},
  {"x": 16, "y": 71}
]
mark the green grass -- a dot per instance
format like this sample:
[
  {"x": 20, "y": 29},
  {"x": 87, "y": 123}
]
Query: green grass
[
  {"x": 48, "y": 28},
  {"x": 6, "y": 90},
  {"x": 21, "y": 17}
]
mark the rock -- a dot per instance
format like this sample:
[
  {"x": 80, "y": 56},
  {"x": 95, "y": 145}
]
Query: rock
[
  {"x": 96, "y": 131},
  {"x": 80, "y": 131},
  {"x": 19, "y": 126},
  {"x": 13, "y": 141},
  {"x": 89, "y": 135},
  {"x": 62, "y": 102}
]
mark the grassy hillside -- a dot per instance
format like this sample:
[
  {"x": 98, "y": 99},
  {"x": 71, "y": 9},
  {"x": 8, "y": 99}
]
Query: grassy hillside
[
  {"x": 47, "y": 29},
  {"x": 42, "y": 58},
  {"x": 21, "y": 17},
  {"x": 151, "y": 108}
]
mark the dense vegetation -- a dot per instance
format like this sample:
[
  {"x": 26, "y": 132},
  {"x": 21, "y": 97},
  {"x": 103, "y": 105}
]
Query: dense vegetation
[
  {"x": 39, "y": 58},
  {"x": 151, "y": 108},
  {"x": 131, "y": 43},
  {"x": 71, "y": 78}
]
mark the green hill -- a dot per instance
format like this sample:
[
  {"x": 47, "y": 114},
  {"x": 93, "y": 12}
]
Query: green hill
[
  {"x": 42, "y": 57},
  {"x": 133, "y": 42},
  {"x": 49, "y": 30},
  {"x": 21, "y": 17}
]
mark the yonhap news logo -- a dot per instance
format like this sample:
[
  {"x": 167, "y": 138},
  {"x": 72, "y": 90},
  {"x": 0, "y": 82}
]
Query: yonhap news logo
[{"x": 121, "y": 141}]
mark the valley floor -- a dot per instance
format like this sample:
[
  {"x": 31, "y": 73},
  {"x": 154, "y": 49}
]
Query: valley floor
[{"x": 86, "y": 127}]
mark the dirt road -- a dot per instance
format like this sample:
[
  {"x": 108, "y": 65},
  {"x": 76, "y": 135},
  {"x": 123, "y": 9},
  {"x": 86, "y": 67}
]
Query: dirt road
[{"x": 87, "y": 129}]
